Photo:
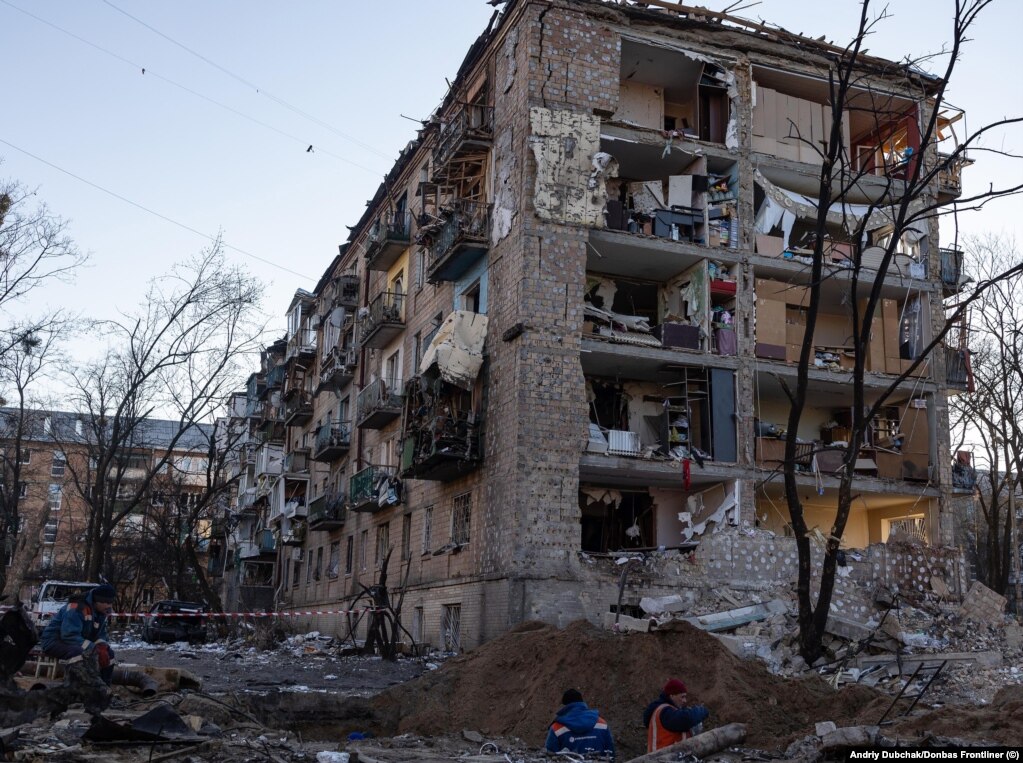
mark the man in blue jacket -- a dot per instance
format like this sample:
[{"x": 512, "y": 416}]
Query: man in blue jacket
[
  {"x": 77, "y": 634},
  {"x": 578, "y": 728}
]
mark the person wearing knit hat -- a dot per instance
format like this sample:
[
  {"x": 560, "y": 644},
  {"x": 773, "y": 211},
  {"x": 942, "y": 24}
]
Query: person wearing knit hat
[
  {"x": 668, "y": 719},
  {"x": 78, "y": 635},
  {"x": 577, "y": 728}
]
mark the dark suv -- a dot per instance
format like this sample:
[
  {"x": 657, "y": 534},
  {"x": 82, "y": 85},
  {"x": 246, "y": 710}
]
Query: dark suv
[{"x": 171, "y": 620}]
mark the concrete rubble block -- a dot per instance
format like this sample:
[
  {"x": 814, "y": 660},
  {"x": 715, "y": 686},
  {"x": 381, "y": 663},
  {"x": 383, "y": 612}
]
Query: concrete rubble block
[
  {"x": 655, "y": 605},
  {"x": 625, "y": 623},
  {"x": 911, "y": 661},
  {"x": 740, "y": 646},
  {"x": 983, "y": 605},
  {"x": 852, "y": 630},
  {"x": 1013, "y": 636},
  {"x": 733, "y": 618},
  {"x": 824, "y": 727}
]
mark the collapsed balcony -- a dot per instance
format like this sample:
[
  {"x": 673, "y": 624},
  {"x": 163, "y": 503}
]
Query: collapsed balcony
[
  {"x": 952, "y": 277},
  {"x": 274, "y": 379},
  {"x": 332, "y": 441},
  {"x": 441, "y": 434},
  {"x": 378, "y": 404},
  {"x": 469, "y": 130},
  {"x": 328, "y": 511},
  {"x": 458, "y": 239},
  {"x": 958, "y": 373},
  {"x": 389, "y": 236},
  {"x": 374, "y": 488},
  {"x": 383, "y": 320}
]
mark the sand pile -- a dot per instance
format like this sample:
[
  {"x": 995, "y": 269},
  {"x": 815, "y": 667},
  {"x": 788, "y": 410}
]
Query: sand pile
[{"x": 512, "y": 686}]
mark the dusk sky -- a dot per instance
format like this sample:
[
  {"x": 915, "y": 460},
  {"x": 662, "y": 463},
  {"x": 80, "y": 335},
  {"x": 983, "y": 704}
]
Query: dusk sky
[{"x": 194, "y": 141}]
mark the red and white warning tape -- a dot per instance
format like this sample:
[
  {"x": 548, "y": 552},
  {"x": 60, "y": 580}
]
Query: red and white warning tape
[{"x": 292, "y": 613}]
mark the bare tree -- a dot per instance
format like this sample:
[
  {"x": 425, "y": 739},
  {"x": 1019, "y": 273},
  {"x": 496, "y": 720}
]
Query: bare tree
[
  {"x": 35, "y": 249},
  {"x": 176, "y": 358},
  {"x": 904, "y": 207},
  {"x": 991, "y": 415}
]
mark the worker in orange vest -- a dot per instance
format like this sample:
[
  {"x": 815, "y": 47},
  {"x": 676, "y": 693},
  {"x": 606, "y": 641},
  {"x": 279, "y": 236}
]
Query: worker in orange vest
[{"x": 669, "y": 720}]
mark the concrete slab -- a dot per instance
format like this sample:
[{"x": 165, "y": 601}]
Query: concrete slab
[
  {"x": 733, "y": 618},
  {"x": 911, "y": 661}
]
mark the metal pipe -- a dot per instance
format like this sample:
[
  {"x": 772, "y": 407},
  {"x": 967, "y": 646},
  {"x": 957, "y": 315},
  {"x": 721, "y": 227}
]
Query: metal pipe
[{"x": 136, "y": 678}]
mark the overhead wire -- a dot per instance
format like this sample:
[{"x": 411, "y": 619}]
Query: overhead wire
[
  {"x": 247, "y": 83},
  {"x": 148, "y": 72},
  {"x": 164, "y": 217}
]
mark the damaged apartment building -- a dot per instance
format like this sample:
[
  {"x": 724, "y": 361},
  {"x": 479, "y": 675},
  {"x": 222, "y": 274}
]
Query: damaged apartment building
[{"x": 562, "y": 329}]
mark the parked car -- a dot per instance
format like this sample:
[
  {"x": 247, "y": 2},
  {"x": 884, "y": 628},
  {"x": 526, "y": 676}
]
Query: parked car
[
  {"x": 171, "y": 620},
  {"x": 52, "y": 595}
]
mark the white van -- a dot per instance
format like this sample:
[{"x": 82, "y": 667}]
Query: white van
[{"x": 54, "y": 594}]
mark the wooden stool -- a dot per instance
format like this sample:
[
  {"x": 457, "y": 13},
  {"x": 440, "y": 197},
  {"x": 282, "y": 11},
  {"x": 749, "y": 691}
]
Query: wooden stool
[{"x": 46, "y": 666}]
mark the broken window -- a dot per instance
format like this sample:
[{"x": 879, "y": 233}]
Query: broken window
[
  {"x": 383, "y": 543},
  {"x": 614, "y": 520},
  {"x": 319, "y": 564},
  {"x": 350, "y": 555}
]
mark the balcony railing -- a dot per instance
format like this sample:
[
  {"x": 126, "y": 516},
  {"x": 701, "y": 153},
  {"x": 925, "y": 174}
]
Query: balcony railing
[
  {"x": 298, "y": 409},
  {"x": 296, "y": 536},
  {"x": 383, "y": 320},
  {"x": 346, "y": 290},
  {"x": 440, "y": 447},
  {"x": 328, "y": 512},
  {"x": 297, "y": 461},
  {"x": 957, "y": 369},
  {"x": 275, "y": 377},
  {"x": 332, "y": 441},
  {"x": 303, "y": 343},
  {"x": 950, "y": 176},
  {"x": 951, "y": 269},
  {"x": 378, "y": 404},
  {"x": 469, "y": 129},
  {"x": 463, "y": 238},
  {"x": 387, "y": 239},
  {"x": 266, "y": 542},
  {"x": 338, "y": 367},
  {"x": 363, "y": 492}
]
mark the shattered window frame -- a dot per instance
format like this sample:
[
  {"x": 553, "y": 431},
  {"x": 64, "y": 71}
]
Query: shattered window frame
[{"x": 334, "y": 560}]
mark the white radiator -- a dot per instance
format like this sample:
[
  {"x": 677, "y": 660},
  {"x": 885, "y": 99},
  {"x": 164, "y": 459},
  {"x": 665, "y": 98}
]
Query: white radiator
[{"x": 622, "y": 443}]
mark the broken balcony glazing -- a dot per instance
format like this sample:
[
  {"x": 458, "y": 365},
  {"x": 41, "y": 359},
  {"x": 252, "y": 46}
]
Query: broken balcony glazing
[
  {"x": 379, "y": 403},
  {"x": 441, "y": 434},
  {"x": 462, "y": 238},
  {"x": 372, "y": 488},
  {"x": 383, "y": 320},
  {"x": 332, "y": 440},
  {"x": 298, "y": 408},
  {"x": 470, "y": 128},
  {"x": 388, "y": 238},
  {"x": 328, "y": 511}
]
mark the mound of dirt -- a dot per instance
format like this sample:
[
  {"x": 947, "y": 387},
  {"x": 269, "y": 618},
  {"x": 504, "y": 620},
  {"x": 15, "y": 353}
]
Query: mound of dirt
[{"x": 511, "y": 686}]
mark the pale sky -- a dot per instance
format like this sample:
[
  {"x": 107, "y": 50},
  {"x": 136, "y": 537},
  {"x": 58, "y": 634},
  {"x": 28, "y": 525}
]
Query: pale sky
[{"x": 354, "y": 68}]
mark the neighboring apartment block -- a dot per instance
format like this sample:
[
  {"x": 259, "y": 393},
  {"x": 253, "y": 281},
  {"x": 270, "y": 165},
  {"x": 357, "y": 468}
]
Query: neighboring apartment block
[
  {"x": 49, "y": 459},
  {"x": 563, "y": 328}
]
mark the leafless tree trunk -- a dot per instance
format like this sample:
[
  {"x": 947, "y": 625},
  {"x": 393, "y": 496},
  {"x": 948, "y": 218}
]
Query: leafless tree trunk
[
  {"x": 906, "y": 204},
  {"x": 176, "y": 358}
]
